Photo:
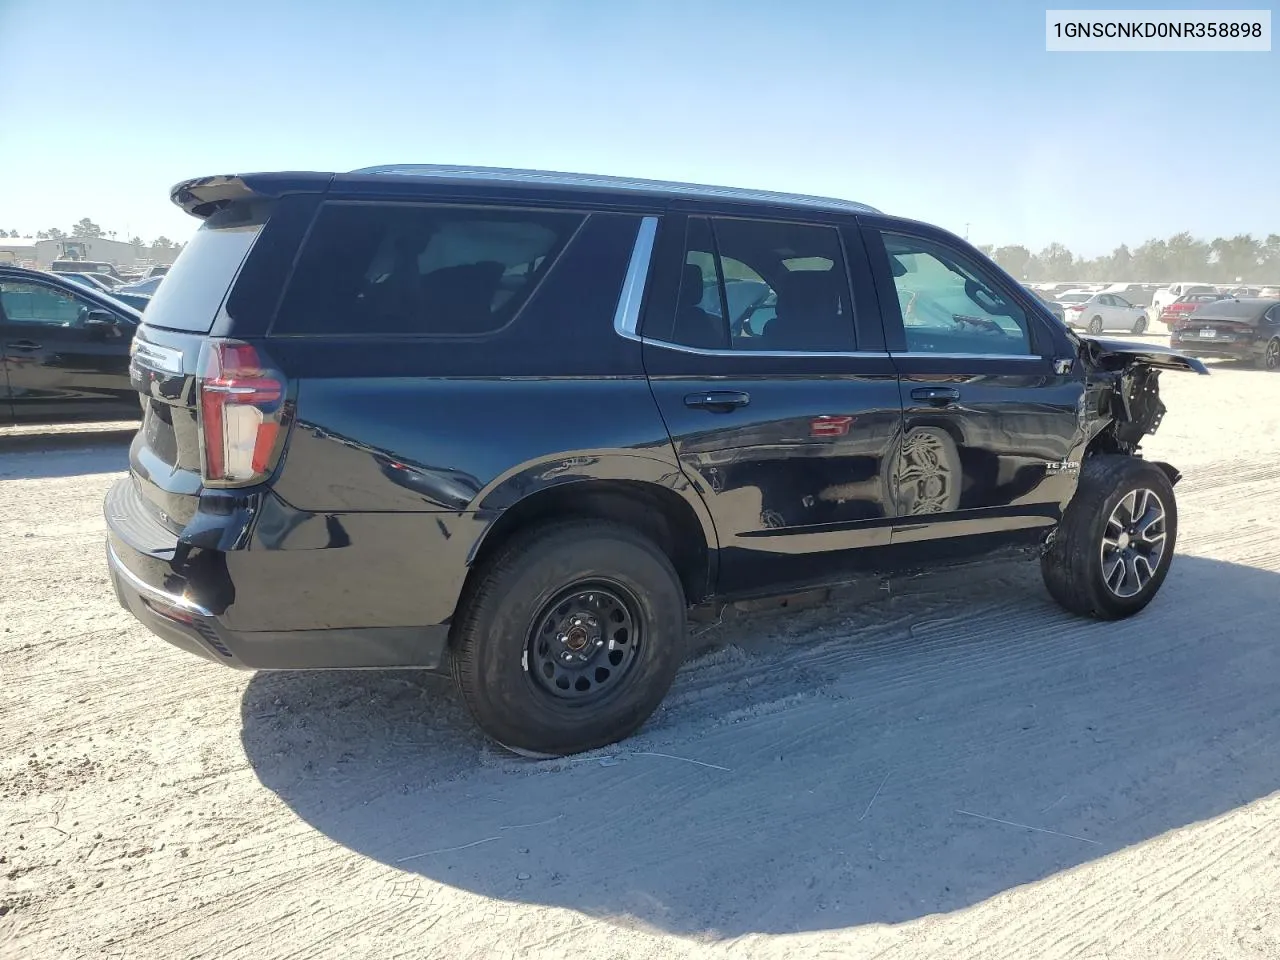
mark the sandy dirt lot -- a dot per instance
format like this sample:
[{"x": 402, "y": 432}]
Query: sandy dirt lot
[{"x": 951, "y": 768}]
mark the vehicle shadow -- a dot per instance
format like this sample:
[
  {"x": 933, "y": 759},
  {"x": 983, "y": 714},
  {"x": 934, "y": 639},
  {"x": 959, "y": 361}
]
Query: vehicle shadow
[
  {"x": 40, "y": 455},
  {"x": 844, "y": 765}
]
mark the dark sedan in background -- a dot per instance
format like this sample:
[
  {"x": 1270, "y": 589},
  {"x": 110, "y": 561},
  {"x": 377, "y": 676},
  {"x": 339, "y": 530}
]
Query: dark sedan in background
[
  {"x": 1232, "y": 330},
  {"x": 65, "y": 350}
]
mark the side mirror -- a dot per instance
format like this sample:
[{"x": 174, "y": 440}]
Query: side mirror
[{"x": 102, "y": 322}]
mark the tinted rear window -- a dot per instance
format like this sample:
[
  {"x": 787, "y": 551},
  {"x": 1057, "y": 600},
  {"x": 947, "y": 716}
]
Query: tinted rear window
[
  {"x": 419, "y": 270},
  {"x": 198, "y": 281}
]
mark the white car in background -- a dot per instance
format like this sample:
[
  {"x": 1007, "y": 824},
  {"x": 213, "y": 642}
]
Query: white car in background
[
  {"x": 1095, "y": 312},
  {"x": 1163, "y": 298}
]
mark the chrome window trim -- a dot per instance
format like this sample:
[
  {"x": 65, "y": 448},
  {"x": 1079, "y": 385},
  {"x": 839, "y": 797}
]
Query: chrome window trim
[
  {"x": 626, "y": 318},
  {"x": 721, "y": 352},
  {"x": 925, "y": 355}
]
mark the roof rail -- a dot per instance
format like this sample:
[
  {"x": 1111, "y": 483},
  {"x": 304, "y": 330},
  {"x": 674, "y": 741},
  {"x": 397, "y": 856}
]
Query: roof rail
[{"x": 603, "y": 182}]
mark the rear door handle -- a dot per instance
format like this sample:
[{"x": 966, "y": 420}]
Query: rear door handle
[
  {"x": 24, "y": 345},
  {"x": 936, "y": 395},
  {"x": 717, "y": 401}
]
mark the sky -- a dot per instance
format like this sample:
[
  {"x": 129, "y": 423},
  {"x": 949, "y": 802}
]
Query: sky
[{"x": 941, "y": 110}]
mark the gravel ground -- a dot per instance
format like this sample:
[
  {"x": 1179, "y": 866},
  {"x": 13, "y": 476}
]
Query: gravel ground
[{"x": 951, "y": 768}]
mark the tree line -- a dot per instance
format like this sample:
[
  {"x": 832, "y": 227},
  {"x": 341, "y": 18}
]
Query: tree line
[
  {"x": 1180, "y": 257},
  {"x": 86, "y": 229}
]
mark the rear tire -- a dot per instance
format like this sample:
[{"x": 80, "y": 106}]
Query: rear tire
[
  {"x": 1271, "y": 356},
  {"x": 1080, "y": 567},
  {"x": 1095, "y": 325},
  {"x": 570, "y": 638}
]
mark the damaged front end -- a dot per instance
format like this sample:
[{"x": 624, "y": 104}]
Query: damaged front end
[{"x": 1122, "y": 402}]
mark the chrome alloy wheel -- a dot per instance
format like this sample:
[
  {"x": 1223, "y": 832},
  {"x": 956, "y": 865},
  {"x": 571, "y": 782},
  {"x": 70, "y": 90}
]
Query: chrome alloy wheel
[{"x": 1133, "y": 542}]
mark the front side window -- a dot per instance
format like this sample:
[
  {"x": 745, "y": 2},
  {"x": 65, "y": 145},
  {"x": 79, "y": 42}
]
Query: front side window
[
  {"x": 763, "y": 286},
  {"x": 35, "y": 303},
  {"x": 419, "y": 270},
  {"x": 950, "y": 304}
]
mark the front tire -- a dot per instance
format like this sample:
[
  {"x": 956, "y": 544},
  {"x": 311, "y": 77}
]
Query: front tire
[
  {"x": 1113, "y": 547},
  {"x": 1141, "y": 325},
  {"x": 570, "y": 639},
  {"x": 1095, "y": 325}
]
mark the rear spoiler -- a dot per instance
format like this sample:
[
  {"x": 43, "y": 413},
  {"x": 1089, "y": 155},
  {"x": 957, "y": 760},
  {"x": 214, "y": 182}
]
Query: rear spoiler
[
  {"x": 1114, "y": 354},
  {"x": 204, "y": 196}
]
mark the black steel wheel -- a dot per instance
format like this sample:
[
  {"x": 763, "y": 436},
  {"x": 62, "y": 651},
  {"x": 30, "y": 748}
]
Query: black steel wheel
[
  {"x": 569, "y": 637},
  {"x": 584, "y": 641}
]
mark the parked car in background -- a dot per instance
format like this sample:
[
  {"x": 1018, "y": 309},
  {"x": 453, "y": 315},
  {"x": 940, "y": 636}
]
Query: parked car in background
[
  {"x": 65, "y": 350},
  {"x": 85, "y": 266},
  {"x": 148, "y": 286},
  {"x": 1269, "y": 293},
  {"x": 139, "y": 301},
  {"x": 1246, "y": 329},
  {"x": 94, "y": 281},
  {"x": 604, "y": 450},
  {"x": 1241, "y": 293},
  {"x": 1169, "y": 294},
  {"x": 1185, "y": 306},
  {"x": 1139, "y": 294},
  {"x": 1097, "y": 312},
  {"x": 159, "y": 270},
  {"x": 1054, "y": 307}
]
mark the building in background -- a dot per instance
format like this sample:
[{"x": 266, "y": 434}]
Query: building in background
[
  {"x": 116, "y": 252},
  {"x": 18, "y": 250}
]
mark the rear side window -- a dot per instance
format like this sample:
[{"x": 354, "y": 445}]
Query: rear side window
[
  {"x": 405, "y": 270},
  {"x": 198, "y": 281}
]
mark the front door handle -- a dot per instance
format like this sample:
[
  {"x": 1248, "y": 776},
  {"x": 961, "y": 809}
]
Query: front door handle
[
  {"x": 24, "y": 345},
  {"x": 937, "y": 395},
  {"x": 717, "y": 401}
]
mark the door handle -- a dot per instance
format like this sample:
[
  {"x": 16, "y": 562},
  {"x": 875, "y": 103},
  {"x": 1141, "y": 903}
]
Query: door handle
[
  {"x": 24, "y": 345},
  {"x": 940, "y": 396},
  {"x": 717, "y": 401}
]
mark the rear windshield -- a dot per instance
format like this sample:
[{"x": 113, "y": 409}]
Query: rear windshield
[
  {"x": 197, "y": 282},
  {"x": 1244, "y": 310}
]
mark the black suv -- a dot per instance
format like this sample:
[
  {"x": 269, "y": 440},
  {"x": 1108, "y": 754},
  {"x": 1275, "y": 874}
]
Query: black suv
[{"x": 519, "y": 424}]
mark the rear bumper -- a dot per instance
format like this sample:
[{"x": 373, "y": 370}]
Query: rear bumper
[
  {"x": 1211, "y": 348},
  {"x": 183, "y": 598}
]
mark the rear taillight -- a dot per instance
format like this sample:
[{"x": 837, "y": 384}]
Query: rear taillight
[{"x": 240, "y": 399}]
